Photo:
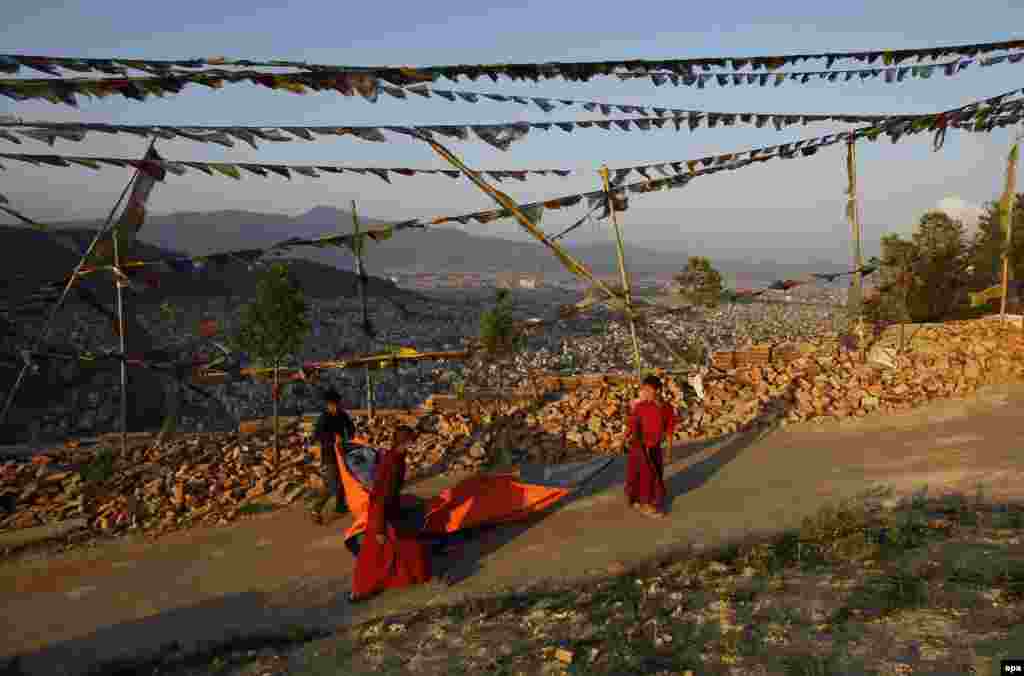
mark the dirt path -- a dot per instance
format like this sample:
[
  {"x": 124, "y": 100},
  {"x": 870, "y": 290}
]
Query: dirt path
[{"x": 279, "y": 570}]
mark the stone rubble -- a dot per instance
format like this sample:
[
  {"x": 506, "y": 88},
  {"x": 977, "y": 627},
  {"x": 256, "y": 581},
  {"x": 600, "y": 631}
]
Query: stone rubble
[
  {"x": 596, "y": 342},
  {"x": 209, "y": 478}
]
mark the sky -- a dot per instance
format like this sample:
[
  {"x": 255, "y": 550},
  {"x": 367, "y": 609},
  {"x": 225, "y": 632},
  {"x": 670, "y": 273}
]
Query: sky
[{"x": 782, "y": 210}]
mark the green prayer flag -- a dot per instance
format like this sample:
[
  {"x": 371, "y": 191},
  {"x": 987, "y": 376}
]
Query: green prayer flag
[
  {"x": 534, "y": 212},
  {"x": 227, "y": 170},
  {"x": 84, "y": 162}
]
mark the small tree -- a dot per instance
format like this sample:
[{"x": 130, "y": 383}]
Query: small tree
[
  {"x": 987, "y": 246},
  {"x": 168, "y": 312},
  {"x": 897, "y": 284},
  {"x": 699, "y": 282},
  {"x": 499, "y": 336},
  {"x": 943, "y": 257},
  {"x": 274, "y": 327}
]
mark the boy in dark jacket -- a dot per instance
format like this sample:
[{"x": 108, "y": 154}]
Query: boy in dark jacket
[{"x": 333, "y": 426}]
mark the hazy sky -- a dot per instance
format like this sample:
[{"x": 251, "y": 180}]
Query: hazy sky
[{"x": 779, "y": 206}]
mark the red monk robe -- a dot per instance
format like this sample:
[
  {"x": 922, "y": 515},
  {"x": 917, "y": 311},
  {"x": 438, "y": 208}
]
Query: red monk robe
[
  {"x": 645, "y": 480},
  {"x": 402, "y": 560}
]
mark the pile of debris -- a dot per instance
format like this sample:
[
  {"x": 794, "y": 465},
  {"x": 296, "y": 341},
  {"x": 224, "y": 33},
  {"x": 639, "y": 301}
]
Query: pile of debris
[
  {"x": 201, "y": 479},
  {"x": 209, "y": 479}
]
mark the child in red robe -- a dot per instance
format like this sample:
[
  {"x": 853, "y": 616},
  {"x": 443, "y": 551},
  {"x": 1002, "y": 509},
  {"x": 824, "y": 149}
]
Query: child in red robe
[
  {"x": 651, "y": 422},
  {"x": 390, "y": 556}
]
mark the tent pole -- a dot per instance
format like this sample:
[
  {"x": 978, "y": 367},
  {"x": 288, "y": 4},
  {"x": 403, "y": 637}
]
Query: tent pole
[
  {"x": 64, "y": 294},
  {"x": 620, "y": 251}
]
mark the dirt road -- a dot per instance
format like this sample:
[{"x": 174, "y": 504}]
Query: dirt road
[{"x": 279, "y": 570}]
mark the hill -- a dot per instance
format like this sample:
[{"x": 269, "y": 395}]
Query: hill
[
  {"x": 30, "y": 258},
  {"x": 440, "y": 249}
]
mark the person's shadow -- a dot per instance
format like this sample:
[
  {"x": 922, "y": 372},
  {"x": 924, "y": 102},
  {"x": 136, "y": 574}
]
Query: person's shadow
[{"x": 470, "y": 547}]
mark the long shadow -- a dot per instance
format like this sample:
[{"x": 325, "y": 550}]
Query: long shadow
[
  {"x": 475, "y": 544},
  {"x": 188, "y": 630},
  {"x": 698, "y": 474}
]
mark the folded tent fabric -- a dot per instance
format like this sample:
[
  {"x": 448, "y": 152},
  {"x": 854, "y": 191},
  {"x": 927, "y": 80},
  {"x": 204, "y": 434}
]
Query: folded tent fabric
[{"x": 481, "y": 500}]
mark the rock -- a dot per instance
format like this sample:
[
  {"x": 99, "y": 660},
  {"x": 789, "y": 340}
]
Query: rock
[
  {"x": 616, "y": 568},
  {"x": 817, "y": 382},
  {"x": 28, "y": 492},
  {"x": 295, "y": 493}
]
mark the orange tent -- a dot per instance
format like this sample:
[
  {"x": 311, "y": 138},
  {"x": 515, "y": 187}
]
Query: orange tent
[{"x": 473, "y": 502}]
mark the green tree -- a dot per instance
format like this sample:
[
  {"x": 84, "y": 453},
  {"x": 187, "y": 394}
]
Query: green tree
[
  {"x": 940, "y": 269},
  {"x": 896, "y": 282},
  {"x": 923, "y": 279},
  {"x": 699, "y": 282},
  {"x": 987, "y": 247},
  {"x": 499, "y": 336},
  {"x": 274, "y": 327}
]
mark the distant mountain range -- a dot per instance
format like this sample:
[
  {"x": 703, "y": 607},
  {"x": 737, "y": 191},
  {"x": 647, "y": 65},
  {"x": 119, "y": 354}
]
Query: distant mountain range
[
  {"x": 30, "y": 258},
  {"x": 439, "y": 249}
]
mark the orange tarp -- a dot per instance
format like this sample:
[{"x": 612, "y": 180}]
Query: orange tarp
[
  {"x": 473, "y": 502},
  {"x": 491, "y": 499},
  {"x": 356, "y": 497}
]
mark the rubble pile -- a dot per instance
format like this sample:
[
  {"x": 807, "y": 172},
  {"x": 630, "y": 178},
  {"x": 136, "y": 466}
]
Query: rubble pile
[
  {"x": 210, "y": 478},
  {"x": 199, "y": 479}
]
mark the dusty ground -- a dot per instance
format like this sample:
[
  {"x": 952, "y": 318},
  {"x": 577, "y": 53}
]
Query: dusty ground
[
  {"x": 934, "y": 586},
  {"x": 278, "y": 574}
]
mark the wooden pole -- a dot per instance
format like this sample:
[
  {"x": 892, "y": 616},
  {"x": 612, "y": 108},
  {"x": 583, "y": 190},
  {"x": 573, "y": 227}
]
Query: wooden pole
[
  {"x": 358, "y": 250},
  {"x": 277, "y": 395},
  {"x": 855, "y": 301},
  {"x": 1006, "y": 216},
  {"x": 620, "y": 250},
  {"x": 44, "y": 336},
  {"x": 119, "y": 283},
  {"x": 506, "y": 202}
]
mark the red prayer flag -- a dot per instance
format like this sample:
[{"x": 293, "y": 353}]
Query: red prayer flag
[{"x": 208, "y": 328}]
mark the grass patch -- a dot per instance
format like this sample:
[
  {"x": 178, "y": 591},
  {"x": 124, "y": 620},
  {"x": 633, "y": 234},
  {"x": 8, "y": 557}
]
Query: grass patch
[
  {"x": 1002, "y": 648},
  {"x": 837, "y": 663},
  {"x": 823, "y": 599},
  {"x": 100, "y": 469},
  {"x": 218, "y": 656},
  {"x": 251, "y": 508}
]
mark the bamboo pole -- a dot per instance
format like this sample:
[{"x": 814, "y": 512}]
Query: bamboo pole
[
  {"x": 620, "y": 251},
  {"x": 506, "y": 202},
  {"x": 218, "y": 377},
  {"x": 358, "y": 251},
  {"x": 44, "y": 336},
  {"x": 1006, "y": 216}
]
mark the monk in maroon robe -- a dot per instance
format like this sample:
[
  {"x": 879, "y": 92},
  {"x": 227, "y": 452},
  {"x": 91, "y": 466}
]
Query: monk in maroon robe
[
  {"x": 651, "y": 422},
  {"x": 390, "y": 555}
]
